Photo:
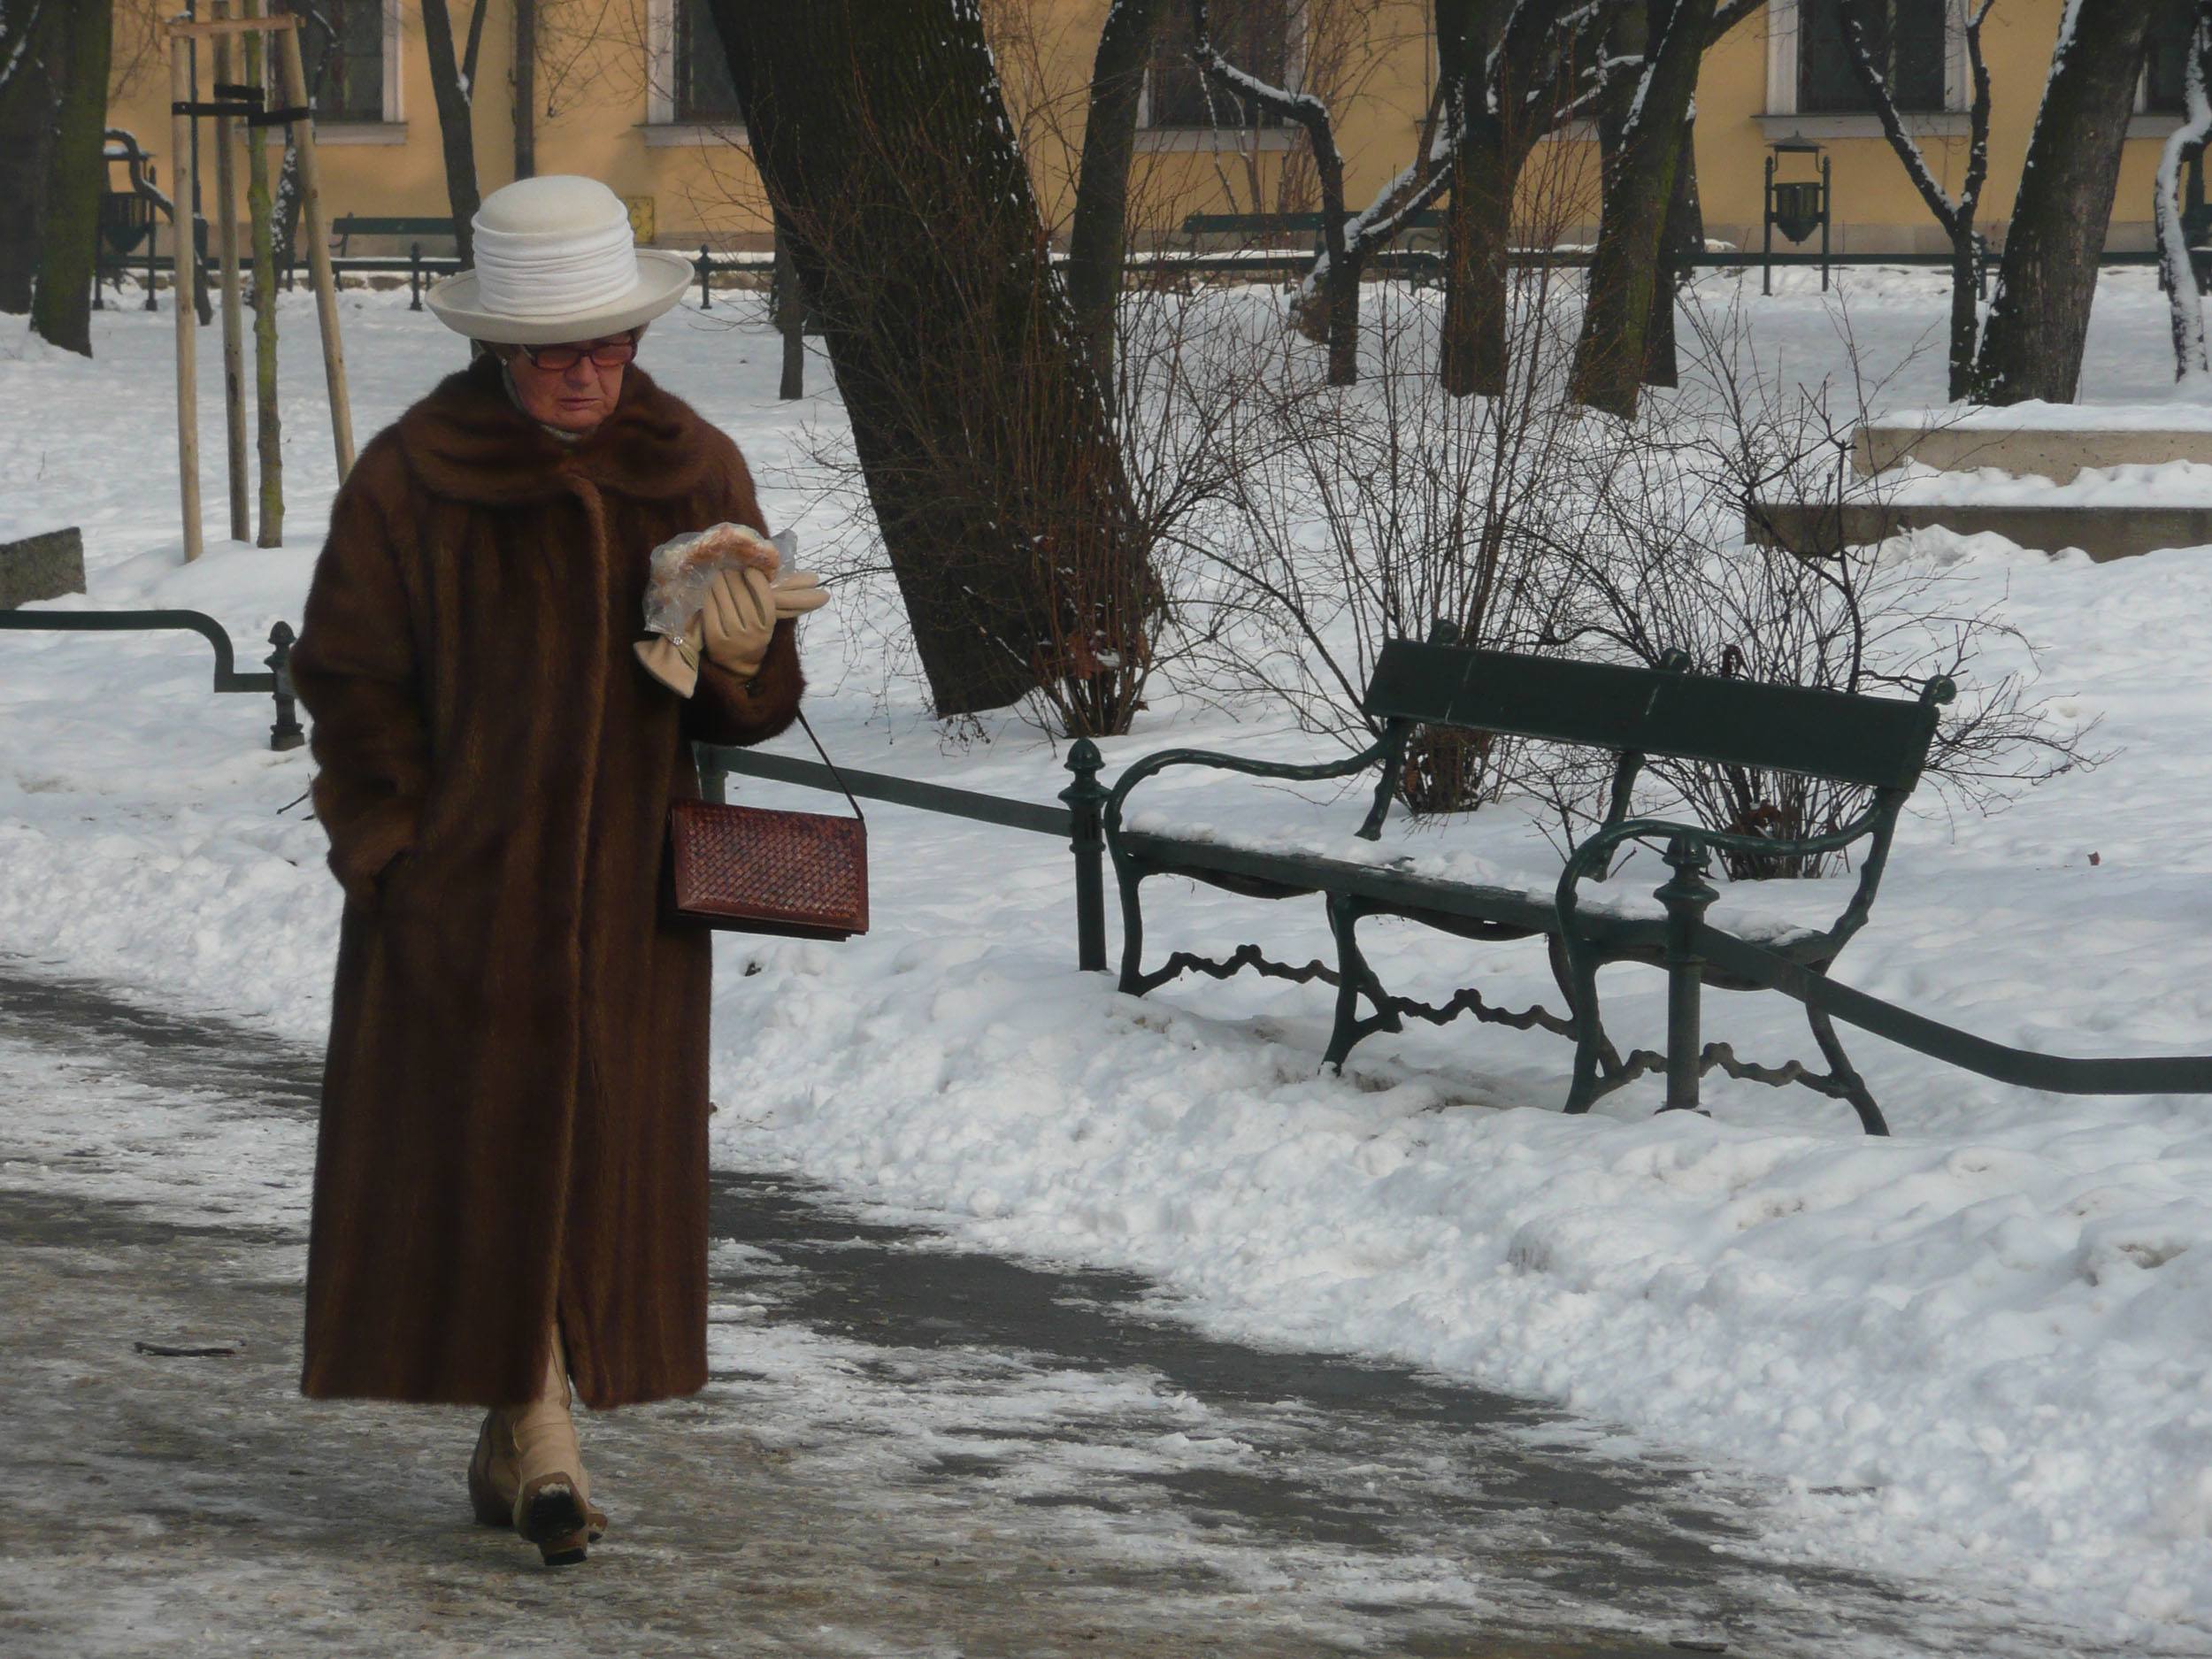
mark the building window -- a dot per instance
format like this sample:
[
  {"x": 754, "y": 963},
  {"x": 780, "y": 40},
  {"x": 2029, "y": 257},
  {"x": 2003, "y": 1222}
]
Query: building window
[
  {"x": 1252, "y": 35},
  {"x": 2164, "y": 74},
  {"x": 348, "y": 52},
  {"x": 1909, "y": 43},
  {"x": 702, "y": 92}
]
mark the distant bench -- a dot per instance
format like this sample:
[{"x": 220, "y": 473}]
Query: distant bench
[
  {"x": 346, "y": 227},
  {"x": 1284, "y": 224},
  {"x": 1879, "y": 743}
]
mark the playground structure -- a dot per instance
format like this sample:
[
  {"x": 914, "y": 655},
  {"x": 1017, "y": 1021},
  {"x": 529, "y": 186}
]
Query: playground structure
[{"x": 232, "y": 102}]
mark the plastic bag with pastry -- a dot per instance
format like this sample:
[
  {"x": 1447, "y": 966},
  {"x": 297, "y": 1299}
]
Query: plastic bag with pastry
[{"x": 683, "y": 568}]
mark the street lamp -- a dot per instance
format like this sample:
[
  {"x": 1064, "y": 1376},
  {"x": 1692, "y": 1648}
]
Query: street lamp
[{"x": 1795, "y": 206}]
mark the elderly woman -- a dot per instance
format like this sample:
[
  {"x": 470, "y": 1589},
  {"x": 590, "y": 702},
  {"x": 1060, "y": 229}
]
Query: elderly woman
[{"x": 510, "y": 1183}]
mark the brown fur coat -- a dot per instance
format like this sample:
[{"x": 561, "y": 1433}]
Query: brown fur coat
[{"x": 515, "y": 1102}]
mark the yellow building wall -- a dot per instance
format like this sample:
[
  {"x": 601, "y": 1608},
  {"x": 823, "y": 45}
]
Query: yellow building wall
[{"x": 594, "y": 100}]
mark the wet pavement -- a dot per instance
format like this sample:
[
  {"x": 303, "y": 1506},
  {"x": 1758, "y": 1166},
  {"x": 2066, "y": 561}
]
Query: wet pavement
[{"x": 907, "y": 1447}]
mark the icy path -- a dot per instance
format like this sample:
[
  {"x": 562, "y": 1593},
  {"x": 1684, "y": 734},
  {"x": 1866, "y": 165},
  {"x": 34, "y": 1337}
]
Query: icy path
[{"x": 908, "y": 1448}]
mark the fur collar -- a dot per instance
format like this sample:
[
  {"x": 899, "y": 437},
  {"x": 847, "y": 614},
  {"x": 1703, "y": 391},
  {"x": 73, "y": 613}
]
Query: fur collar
[{"x": 467, "y": 442}]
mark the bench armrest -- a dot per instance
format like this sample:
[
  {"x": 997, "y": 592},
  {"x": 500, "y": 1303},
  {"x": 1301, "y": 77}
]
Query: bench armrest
[
  {"x": 1163, "y": 759},
  {"x": 1596, "y": 853}
]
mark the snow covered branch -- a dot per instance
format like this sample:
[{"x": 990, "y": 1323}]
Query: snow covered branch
[
  {"x": 1955, "y": 215},
  {"x": 1303, "y": 108},
  {"x": 1725, "y": 18},
  {"x": 2191, "y": 359},
  {"x": 19, "y": 22}
]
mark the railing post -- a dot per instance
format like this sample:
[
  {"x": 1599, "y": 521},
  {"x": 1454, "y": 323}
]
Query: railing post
[
  {"x": 712, "y": 774},
  {"x": 414, "y": 277},
  {"x": 1687, "y": 895},
  {"x": 1087, "y": 800},
  {"x": 285, "y": 732},
  {"x": 704, "y": 266}
]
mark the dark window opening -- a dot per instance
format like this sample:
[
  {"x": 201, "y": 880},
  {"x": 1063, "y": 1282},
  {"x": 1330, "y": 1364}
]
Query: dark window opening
[
  {"x": 1910, "y": 44},
  {"x": 704, "y": 90},
  {"x": 1252, "y": 35},
  {"x": 2165, "y": 73},
  {"x": 343, "y": 51}
]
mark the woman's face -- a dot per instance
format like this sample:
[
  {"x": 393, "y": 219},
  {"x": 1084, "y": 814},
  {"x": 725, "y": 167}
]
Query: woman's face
[{"x": 575, "y": 397}]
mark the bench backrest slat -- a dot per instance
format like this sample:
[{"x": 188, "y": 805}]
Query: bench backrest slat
[
  {"x": 1880, "y": 742},
  {"x": 1283, "y": 224}
]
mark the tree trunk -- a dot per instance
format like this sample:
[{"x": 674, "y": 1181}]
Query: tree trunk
[
  {"x": 2038, "y": 320},
  {"x": 61, "y": 311},
  {"x": 1684, "y": 240},
  {"x": 1099, "y": 233},
  {"x": 453, "y": 88},
  {"x": 1626, "y": 272},
  {"x": 525, "y": 82},
  {"x": 881, "y": 133},
  {"x": 1477, "y": 264},
  {"x": 789, "y": 307},
  {"x": 27, "y": 99}
]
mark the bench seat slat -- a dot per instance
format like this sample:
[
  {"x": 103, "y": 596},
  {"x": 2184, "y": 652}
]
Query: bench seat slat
[
  {"x": 1878, "y": 741},
  {"x": 1530, "y": 913}
]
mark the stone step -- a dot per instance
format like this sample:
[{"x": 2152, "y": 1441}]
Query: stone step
[
  {"x": 1952, "y": 444},
  {"x": 2103, "y": 532}
]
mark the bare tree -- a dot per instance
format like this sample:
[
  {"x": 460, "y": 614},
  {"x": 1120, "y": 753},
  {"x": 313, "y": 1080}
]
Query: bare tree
[
  {"x": 1098, "y": 234},
  {"x": 1862, "y": 32},
  {"x": 1661, "y": 569},
  {"x": 1512, "y": 70},
  {"x": 1626, "y": 282},
  {"x": 2185, "y": 143},
  {"x": 882, "y": 134},
  {"x": 453, "y": 84},
  {"x": 2038, "y": 317},
  {"x": 33, "y": 55},
  {"x": 61, "y": 311},
  {"x": 525, "y": 75}
]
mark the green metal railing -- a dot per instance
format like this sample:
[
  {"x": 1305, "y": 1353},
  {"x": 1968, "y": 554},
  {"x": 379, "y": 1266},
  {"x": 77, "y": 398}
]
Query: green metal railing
[
  {"x": 285, "y": 733},
  {"x": 2060, "y": 1074},
  {"x": 1080, "y": 820}
]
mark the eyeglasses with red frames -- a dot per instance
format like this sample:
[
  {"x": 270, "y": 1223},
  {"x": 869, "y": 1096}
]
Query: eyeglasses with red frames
[{"x": 612, "y": 355}]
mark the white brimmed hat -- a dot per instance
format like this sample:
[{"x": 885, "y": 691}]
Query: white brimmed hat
[{"x": 555, "y": 262}]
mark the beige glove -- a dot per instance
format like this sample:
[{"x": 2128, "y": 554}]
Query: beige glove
[
  {"x": 797, "y": 592},
  {"x": 675, "y": 661},
  {"x": 739, "y": 621}
]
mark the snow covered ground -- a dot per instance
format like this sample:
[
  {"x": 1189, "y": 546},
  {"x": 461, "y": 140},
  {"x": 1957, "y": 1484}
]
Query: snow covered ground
[{"x": 1979, "y": 1354}]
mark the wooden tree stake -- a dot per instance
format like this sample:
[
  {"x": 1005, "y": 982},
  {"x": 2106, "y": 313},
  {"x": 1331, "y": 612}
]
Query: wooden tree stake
[
  {"x": 233, "y": 355},
  {"x": 188, "y": 347},
  {"x": 318, "y": 255}
]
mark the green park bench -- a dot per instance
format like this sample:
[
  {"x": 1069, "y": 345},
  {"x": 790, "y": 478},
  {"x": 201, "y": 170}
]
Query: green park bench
[
  {"x": 1638, "y": 714},
  {"x": 346, "y": 227},
  {"x": 1274, "y": 224}
]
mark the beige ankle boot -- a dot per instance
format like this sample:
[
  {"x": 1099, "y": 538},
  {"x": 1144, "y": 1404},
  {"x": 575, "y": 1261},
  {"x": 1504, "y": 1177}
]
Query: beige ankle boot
[
  {"x": 492, "y": 1477},
  {"x": 552, "y": 1506}
]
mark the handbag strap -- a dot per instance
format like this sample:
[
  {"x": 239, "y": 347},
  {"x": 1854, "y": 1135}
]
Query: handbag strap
[{"x": 832, "y": 764}]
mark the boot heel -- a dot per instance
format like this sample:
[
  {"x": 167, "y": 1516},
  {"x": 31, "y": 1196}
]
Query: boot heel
[{"x": 549, "y": 1513}]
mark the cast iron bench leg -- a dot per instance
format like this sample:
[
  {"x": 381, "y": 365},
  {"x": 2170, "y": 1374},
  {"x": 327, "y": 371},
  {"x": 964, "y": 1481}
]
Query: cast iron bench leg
[
  {"x": 1591, "y": 1046},
  {"x": 1129, "y": 879},
  {"x": 1847, "y": 1076},
  {"x": 1355, "y": 978}
]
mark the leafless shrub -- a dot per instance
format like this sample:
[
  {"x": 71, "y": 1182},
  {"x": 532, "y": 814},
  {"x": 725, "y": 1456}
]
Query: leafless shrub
[
  {"x": 1658, "y": 560},
  {"x": 1376, "y": 510}
]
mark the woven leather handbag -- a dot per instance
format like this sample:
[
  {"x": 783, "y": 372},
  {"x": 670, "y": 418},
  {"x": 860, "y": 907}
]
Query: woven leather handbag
[{"x": 749, "y": 869}]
